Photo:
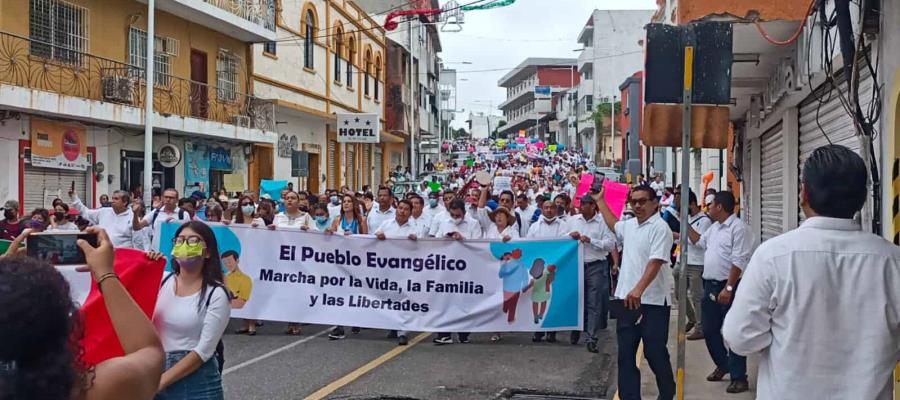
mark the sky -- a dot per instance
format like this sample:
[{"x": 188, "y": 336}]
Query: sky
[{"x": 504, "y": 37}]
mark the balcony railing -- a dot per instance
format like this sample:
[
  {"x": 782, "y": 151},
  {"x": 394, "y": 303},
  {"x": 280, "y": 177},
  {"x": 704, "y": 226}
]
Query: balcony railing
[
  {"x": 43, "y": 66},
  {"x": 260, "y": 12}
]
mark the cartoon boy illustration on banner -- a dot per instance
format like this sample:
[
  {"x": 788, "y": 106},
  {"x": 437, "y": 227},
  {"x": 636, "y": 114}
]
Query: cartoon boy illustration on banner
[{"x": 236, "y": 280}]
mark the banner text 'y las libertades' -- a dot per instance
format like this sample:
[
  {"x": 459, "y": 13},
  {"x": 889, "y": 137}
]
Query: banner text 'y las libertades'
[{"x": 424, "y": 285}]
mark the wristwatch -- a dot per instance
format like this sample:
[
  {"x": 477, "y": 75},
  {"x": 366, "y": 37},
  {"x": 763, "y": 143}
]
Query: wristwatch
[{"x": 729, "y": 288}]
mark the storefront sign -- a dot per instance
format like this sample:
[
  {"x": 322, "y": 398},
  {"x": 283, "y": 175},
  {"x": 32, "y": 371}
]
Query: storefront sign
[
  {"x": 220, "y": 158},
  {"x": 169, "y": 155},
  {"x": 56, "y": 145},
  {"x": 196, "y": 166},
  {"x": 358, "y": 128}
]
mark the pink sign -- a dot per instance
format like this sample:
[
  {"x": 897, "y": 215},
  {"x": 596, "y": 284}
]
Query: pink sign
[
  {"x": 615, "y": 195},
  {"x": 586, "y": 181}
]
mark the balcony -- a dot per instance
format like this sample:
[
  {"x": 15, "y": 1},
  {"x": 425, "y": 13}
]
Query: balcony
[
  {"x": 56, "y": 76},
  {"x": 586, "y": 59},
  {"x": 245, "y": 20}
]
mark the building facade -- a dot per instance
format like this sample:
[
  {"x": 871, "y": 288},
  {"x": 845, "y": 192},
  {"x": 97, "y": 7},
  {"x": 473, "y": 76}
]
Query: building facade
[
  {"x": 611, "y": 43},
  {"x": 523, "y": 109},
  {"x": 72, "y": 97},
  {"x": 330, "y": 58},
  {"x": 482, "y": 125}
]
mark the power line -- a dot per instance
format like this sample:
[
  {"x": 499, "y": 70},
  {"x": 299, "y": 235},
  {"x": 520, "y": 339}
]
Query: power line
[{"x": 562, "y": 64}]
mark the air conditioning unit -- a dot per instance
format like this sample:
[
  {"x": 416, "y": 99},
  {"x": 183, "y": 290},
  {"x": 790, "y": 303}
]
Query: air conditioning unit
[
  {"x": 242, "y": 121},
  {"x": 119, "y": 89}
]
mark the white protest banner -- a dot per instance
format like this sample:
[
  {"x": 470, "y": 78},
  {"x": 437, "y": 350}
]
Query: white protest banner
[
  {"x": 428, "y": 285},
  {"x": 502, "y": 183},
  {"x": 358, "y": 128}
]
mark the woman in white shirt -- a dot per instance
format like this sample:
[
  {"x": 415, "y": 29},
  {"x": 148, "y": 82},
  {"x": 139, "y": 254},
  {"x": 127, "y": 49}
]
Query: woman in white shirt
[
  {"x": 59, "y": 221},
  {"x": 293, "y": 216},
  {"x": 191, "y": 315},
  {"x": 244, "y": 213},
  {"x": 502, "y": 227}
]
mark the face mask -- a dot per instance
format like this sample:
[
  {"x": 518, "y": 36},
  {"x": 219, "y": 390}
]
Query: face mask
[
  {"x": 457, "y": 221},
  {"x": 549, "y": 219},
  {"x": 247, "y": 210},
  {"x": 35, "y": 224},
  {"x": 432, "y": 202},
  {"x": 60, "y": 216},
  {"x": 9, "y": 215},
  {"x": 321, "y": 219},
  {"x": 187, "y": 256},
  {"x": 334, "y": 200}
]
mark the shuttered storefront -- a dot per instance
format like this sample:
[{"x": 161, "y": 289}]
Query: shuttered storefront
[
  {"x": 366, "y": 170},
  {"x": 43, "y": 185},
  {"x": 379, "y": 166},
  {"x": 771, "y": 183},
  {"x": 823, "y": 113},
  {"x": 332, "y": 165},
  {"x": 350, "y": 178}
]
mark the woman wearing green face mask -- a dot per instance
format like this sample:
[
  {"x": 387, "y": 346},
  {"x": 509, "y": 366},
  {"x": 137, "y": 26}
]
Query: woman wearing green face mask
[{"x": 191, "y": 314}]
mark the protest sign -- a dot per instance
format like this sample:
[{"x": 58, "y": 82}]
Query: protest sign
[
  {"x": 429, "y": 285},
  {"x": 502, "y": 183},
  {"x": 583, "y": 186},
  {"x": 615, "y": 194}
]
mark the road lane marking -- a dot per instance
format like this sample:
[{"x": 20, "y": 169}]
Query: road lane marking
[
  {"x": 352, "y": 376},
  {"x": 637, "y": 360},
  {"x": 274, "y": 352}
]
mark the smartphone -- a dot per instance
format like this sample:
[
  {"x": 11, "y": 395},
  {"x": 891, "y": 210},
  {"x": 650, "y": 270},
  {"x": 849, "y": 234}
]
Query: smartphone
[
  {"x": 597, "y": 185},
  {"x": 59, "y": 248}
]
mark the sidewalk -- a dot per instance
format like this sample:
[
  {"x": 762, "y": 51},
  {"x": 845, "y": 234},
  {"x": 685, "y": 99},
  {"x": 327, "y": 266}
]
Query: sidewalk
[{"x": 697, "y": 366}]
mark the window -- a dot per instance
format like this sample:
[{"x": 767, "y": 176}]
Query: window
[
  {"x": 270, "y": 47},
  {"x": 377, "y": 78},
  {"x": 338, "y": 42},
  {"x": 58, "y": 30},
  {"x": 308, "y": 43},
  {"x": 164, "y": 50},
  {"x": 226, "y": 76},
  {"x": 368, "y": 72},
  {"x": 351, "y": 56}
]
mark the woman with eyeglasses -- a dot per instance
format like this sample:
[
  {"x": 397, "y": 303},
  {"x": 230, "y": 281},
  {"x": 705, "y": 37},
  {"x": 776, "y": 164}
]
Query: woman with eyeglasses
[
  {"x": 191, "y": 315},
  {"x": 350, "y": 221},
  {"x": 244, "y": 212}
]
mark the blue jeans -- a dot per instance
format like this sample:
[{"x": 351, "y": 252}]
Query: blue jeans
[
  {"x": 596, "y": 298},
  {"x": 203, "y": 384},
  {"x": 713, "y": 316},
  {"x": 653, "y": 329}
]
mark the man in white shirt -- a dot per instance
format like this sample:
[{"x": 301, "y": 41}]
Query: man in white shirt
[
  {"x": 383, "y": 211},
  {"x": 700, "y": 222},
  {"x": 645, "y": 286},
  {"x": 458, "y": 227},
  {"x": 421, "y": 220},
  {"x": 434, "y": 206},
  {"x": 399, "y": 227},
  {"x": 526, "y": 211},
  {"x": 115, "y": 220},
  {"x": 658, "y": 186},
  {"x": 590, "y": 229},
  {"x": 728, "y": 245},
  {"x": 166, "y": 213},
  {"x": 550, "y": 226},
  {"x": 820, "y": 303},
  {"x": 440, "y": 217}
]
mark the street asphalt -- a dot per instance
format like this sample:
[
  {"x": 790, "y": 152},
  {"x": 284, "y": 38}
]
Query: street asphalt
[{"x": 272, "y": 365}]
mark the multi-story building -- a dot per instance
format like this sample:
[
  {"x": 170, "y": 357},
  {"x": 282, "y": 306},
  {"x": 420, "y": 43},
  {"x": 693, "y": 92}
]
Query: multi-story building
[
  {"x": 788, "y": 99},
  {"x": 72, "y": 97},
  {"x": 612, "y": 51},
  {"x": 523, "y": 109},
  {"x": 330, "y": 57},
  {"x": 482, "y": 125},
  {"x": 413, "y": 67},
  {"x": 565, "y": 127}
]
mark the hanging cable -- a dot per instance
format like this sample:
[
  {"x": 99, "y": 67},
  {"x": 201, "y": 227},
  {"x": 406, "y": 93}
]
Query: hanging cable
[{"x": 793, "y": 37}]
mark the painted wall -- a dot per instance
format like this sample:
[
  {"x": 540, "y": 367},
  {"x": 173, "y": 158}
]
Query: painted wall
[
  {"x": 889, "y": 72},
  {"x": 768, "y": 10}
]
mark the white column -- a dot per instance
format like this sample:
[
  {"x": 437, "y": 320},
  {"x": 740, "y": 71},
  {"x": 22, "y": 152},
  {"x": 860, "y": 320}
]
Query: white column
[{"x": 148, "y": 106}]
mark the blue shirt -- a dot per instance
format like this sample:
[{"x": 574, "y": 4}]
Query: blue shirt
[{"x": 515, "y": 275}]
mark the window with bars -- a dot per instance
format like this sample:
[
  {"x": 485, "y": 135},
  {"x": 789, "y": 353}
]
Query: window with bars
[
  {"x": 308, "y": 44},
  {"x": 270, "y": 47},
  {"x": 351, "y": 56},
  {"x": 226, "y": 76},
  {"x": 162, "y": 56},
  {"x": 377, "y": 77},
  {"x": 58, "y": 30},
  {"x": 338, "y": 48}
]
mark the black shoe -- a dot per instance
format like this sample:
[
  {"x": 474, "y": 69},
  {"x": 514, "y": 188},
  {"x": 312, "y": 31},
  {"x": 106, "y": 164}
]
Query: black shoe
[
  {"x": 392, "y": 334},
  {"x": 716, "y": 375},
  {"x": 574, "y": 337},
  {"x": 403, "y": 341},
  {"x": 336, "y": 334},
  {"x": 537, "y": 337},
  {"x": 354, "y": 330},
  {"x": 592, "y": 347},
  {"x": 688, "y": 327},
  {"x": 551, "y": 337},
  {"x": 251, "y": 333},
  {"x": 740, "y": 386},
  {"x": 464, "y": 339}
]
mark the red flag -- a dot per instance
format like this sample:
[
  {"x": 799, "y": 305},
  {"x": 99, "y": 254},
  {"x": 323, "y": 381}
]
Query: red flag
[{"x": 141, "y": 277}]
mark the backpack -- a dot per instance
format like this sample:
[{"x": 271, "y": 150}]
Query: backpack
[
  {"x": 220, "y": 347},
  {"x": 181, "y": 216}
]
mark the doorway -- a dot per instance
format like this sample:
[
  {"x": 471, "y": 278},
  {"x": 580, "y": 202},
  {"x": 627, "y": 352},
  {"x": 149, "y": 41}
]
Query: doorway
[
  {"x": 312, "y": 181},
  {"x": 262, "y": 165},
  {"x": 132, "y": 172},
  {"x": 199, "y": 84}
]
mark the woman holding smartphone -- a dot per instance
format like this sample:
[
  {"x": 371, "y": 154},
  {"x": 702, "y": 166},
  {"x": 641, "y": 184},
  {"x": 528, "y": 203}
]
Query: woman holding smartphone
[{"x": 191, "y": 314}]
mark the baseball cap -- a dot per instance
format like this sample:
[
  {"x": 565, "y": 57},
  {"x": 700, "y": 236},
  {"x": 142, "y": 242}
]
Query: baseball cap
[
  {"x": 11, "y": 205},
  {"x": 709, "y": 198}
]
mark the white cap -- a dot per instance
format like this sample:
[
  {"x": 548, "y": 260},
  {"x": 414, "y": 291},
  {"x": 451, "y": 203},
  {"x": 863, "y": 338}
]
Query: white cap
[{"x": 710, "y": 198}]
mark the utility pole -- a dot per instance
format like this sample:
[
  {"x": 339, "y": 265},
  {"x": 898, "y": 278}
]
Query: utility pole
[
  {"x": 148, "y": 105},
  {"x": 414, "y": 155},
  {"x": 683, "y": 207}
]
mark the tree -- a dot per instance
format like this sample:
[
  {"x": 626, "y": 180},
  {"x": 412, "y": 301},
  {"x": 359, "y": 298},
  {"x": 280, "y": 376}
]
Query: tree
[
  {"x": 602, "y": 114},
  {"x": 460, "y": 133},
  {"x": 495, "y": 133}
]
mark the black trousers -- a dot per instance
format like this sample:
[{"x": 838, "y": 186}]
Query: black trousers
[{"x": 653, "y": 330}]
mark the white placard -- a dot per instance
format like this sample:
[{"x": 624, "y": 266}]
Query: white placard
[{"x": 358, "y": 128}]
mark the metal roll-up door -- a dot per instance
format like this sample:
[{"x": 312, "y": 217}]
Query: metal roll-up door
[
  {"x": 823, "y": 113},
  {"x": 350, "y": 177},
  {"x": 43, "y": 185},
  {"x": 771, "y": 183},
  {"x": 332, "y": 165},
  {"x": 367, "y": 164},
  {"x": 379, "y": 164}
]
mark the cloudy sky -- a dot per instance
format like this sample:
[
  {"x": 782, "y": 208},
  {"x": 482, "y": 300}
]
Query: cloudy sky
[{"x": 501, "y": 38}]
